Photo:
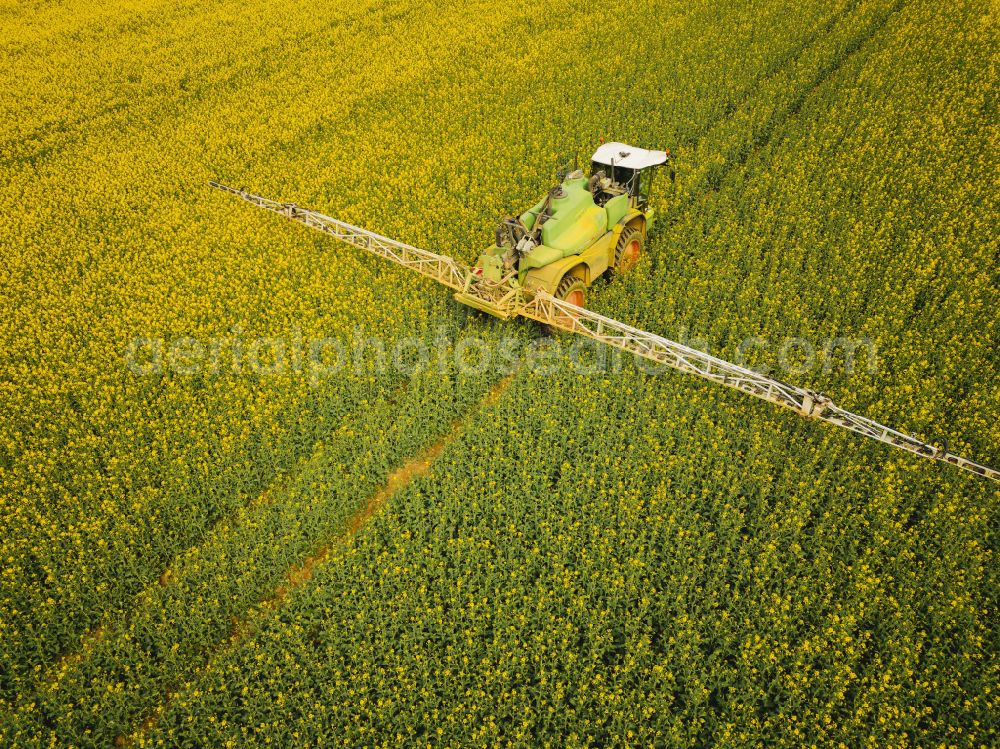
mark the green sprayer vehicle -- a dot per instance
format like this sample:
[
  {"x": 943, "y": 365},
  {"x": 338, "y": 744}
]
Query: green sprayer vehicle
[
  {"x": 583, "y": 228},
  {"x": 543, "y": 261}
]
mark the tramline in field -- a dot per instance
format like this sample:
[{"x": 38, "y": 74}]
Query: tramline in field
[{"x": 544, "y": 260}]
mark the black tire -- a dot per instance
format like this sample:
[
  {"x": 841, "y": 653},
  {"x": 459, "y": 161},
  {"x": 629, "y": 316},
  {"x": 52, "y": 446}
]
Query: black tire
[
  {"x": 572, "y": 286},
  {"x": 569, "y": 285},
  {"x": 628, "y": 250}
]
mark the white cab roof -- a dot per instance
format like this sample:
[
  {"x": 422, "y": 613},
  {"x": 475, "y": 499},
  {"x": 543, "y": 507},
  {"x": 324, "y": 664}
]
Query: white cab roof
[{"x": 628, "y": 157}]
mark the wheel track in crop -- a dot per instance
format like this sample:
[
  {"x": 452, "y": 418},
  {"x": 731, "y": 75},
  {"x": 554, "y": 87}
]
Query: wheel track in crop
[
  {"x": 23, "y": 715},
  {"x": 775, "y": 124},
  {"x": 41, "y": 710},
  {"x": 779, "y": 65},
  {"x": 93, "y": 637},
  {"x": 299, "y": 574},
  {"x": 280, "y": 481},
  {"x": 853, "y": 47}
]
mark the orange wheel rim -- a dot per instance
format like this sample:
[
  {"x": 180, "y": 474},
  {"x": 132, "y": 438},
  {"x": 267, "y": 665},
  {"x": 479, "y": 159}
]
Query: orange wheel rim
[
  {"x": 630, "y": 255},
  {"x": 575, "y": 297}
]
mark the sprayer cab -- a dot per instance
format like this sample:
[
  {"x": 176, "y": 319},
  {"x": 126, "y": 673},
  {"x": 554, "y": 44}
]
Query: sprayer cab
[{"x": 630, "y": 167}]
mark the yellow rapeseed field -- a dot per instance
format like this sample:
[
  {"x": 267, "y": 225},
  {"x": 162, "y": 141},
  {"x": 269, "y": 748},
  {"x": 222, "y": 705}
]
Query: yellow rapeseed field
[{"x": 189, "y": 550}]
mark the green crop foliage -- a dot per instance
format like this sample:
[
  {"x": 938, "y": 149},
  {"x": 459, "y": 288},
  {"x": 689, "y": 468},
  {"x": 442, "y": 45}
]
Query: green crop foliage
[{"x": 199, "y": 556}]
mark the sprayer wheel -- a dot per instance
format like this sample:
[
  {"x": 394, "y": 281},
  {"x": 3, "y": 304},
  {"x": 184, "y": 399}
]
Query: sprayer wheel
[
  {"x": 628, "y": 250},
  {"x": 571, "y": 289}
]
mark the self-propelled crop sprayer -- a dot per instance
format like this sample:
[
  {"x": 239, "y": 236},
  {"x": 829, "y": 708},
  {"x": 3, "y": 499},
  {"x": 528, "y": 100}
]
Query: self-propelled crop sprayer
[{"x": 544, "y": 260}]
